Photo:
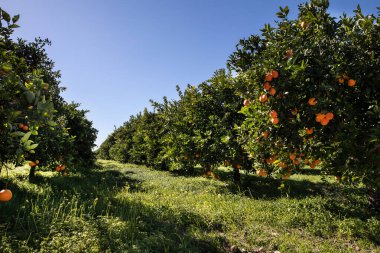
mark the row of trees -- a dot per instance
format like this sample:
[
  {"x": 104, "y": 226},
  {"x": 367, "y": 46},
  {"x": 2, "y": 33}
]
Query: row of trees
[
  {"x": 36, "y": 124},
  {"x": 303, "y": 93}
]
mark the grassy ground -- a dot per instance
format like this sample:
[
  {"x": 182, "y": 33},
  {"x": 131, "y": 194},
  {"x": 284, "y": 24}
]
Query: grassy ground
[{"x": 128, "y": 208}]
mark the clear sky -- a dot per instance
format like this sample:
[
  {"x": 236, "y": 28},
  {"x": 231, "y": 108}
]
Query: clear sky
[{"x": 115, "y": 55}]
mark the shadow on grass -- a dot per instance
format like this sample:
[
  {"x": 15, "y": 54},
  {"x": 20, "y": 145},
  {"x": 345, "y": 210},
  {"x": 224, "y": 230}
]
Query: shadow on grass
[{"x": 143, "y": 228}]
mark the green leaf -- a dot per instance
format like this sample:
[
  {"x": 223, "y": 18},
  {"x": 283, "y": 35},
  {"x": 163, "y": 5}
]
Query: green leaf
[
  {"x": 33, "y": 146},
  {"x": 6, "y": 16},
  {"x": 14, "y": 26},
  {"x": 6, "y": 67},
  {"x": 17, "y": 134},
  {"x": 26, "y": 137},
  {"x": 29, "y": 96},
  {"x": 15, "y": 18}
]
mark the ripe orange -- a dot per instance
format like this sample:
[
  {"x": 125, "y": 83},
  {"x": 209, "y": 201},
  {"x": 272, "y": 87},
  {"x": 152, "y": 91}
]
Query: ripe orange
[
  {"x": 351, "y": 82},
  {"x": 341, "y": 80},
  {"x": 37, "y": 161},
  {"x": 263, "y": 98},
  {"x": 265, "y": 134},
  {"x": 292, "y": 156},
  {"x": 20, "y": 125},
  {"x": 275, "y": 121},
  {"x": 288, "y": 54},
  {"x": 246, "y": 102},
  {"x": 270, "y": 160},
  {"x": 272, "y": 91},
  {"x": 5, "y": 195},
  {"x": 309, "y": 130},
  {"x": 237, "y": 166},
  {"x": 324, "y": 121},
  {"x": 319, "y": 117},
  {"x": 329, "y": 115},
  {"x": 312, "y": 101},
  {"x": 268, "y": 77},
  {"x": 262, "y": 173},
  {"x": 25, "y": 128},
  {"x": 296, "y": 162},
  {"x": 267, "y": 86},
  {"x": 273, "y": 114},
  {"x": 32, "y": 164},
  {"x": 275, "y": 74}
]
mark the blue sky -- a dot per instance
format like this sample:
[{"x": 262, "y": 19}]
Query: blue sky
[{"x": 116, "y": 55}]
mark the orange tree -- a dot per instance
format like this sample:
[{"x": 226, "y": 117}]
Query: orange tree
[
  {"x": 313, "y": 86},
  {"x": 34, "y": 118},
  {"x": 200, "y": 126},
  {"x": 25, "y": 104}
]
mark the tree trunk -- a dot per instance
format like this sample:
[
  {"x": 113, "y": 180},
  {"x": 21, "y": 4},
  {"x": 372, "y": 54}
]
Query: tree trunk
[
  {"x": 32, "y": 174},
  {"x": 236, "y": 175},
  {"x": 374, "y": 197}
]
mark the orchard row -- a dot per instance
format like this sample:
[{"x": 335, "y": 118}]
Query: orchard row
[{"x": 304, "y": 93}]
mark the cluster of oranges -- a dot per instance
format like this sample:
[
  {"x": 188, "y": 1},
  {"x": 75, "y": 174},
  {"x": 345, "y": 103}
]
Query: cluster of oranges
[
  {"x": 60, "y": 168},
  {"x": 274, "y": 117},
  {"x": 324, "y": 119},
  {"x": 33, "y": 164},
  {"x": 268, "y": 86},
  {"x": 23, "y": 127},
  {"x": 350, "y": 82}
]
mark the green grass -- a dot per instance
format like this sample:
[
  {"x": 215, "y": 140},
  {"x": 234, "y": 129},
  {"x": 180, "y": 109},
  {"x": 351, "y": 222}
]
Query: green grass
[{"x": 128, "y": 208}]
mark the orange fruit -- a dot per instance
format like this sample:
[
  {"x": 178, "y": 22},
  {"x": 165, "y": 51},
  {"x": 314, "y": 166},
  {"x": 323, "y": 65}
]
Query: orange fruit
[
  {"x": 5, "y": 195},
  {"x": 272, "y": 91},
  {"x": 265, "y": 134},
  {"x": 246, "y": 102},
  {"x": 268, "y": 77},
  {"x": 32, "y": 164},
  {"x": 288, "y": 54},
  {"x": 292, "y": 156},
  {"x": 20, "y": 125},
  {"x": 319, "y": 117},
  {"x": 341, "y": 80},
  {"x": 312, "y": 101},
  {"x": 275, "y": 74},
  {"x": 275, "y": 121},
  {"x": 286, "y": 176},
  {"x": 324, "y": 121},
  {"x": 263, "y": 98},
  {"x": 237, "y": 166},
  {"x": 296, "y": 162},
  {"x": 273, "y": 114},
  {"x": 262, "y": 173},
  {"x": 312, "y": 165},
  {"x": 351, "y": 82},
  {"x": 37, "y": 161},
  {"x": 25, "y": 128},
  {"x": 329, "y": 115},
  {"x": 309, "y": 130},
  {"x": 282, "y": 165},
  {"x": 267, "y": 86},
  {"x": 270, "y": 160}
]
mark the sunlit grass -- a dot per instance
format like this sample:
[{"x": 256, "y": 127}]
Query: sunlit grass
[{"x": 128, "y": 208}]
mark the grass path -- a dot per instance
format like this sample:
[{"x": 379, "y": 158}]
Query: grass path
[{"x": 129, "y": 208}]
